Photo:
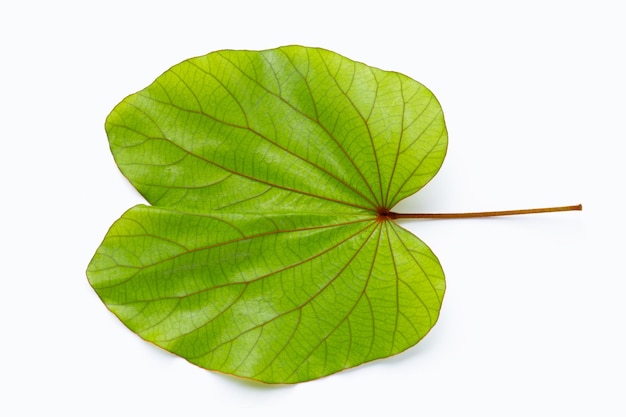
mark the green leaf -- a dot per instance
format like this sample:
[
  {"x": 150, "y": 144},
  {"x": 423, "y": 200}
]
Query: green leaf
[{"x": 267, "y": 252}]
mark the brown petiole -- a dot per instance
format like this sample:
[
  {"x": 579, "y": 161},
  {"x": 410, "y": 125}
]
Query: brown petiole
[{"x": 383, "y": 214}]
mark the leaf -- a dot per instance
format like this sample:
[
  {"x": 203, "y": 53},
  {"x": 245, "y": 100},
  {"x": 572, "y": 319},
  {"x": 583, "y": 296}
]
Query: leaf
[{"x": 267, "y": 252}]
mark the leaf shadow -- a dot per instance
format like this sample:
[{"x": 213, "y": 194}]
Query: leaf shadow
[{"x": 251, "y": 384}]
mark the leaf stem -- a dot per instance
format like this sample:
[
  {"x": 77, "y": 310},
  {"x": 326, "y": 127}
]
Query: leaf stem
[{"x": 393, "y": 215}]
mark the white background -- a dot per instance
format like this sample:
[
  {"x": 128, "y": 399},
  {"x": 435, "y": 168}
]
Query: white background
[{"x": 533, "y": 323}]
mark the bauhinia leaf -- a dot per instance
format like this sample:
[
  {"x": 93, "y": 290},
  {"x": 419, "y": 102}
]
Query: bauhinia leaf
[{"x": 268, "y": 251}]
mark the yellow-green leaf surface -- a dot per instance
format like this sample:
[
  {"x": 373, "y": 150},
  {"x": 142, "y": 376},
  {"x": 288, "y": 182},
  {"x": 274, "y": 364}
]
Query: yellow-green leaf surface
[{"x": 267, "y": 252}]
